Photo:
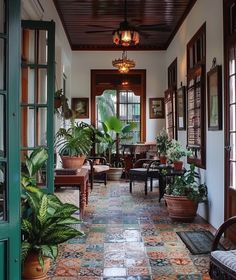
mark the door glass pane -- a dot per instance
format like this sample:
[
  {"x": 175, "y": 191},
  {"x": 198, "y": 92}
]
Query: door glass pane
[
  {"x": 31, "y": 49},
  {"x": 43, "y": 50},
  {"x": 233, "y": 18},
  {"x": 2, "y": 191},
  {"x": 2, "y": 127},
  {"x": 231, "y": 61},
  {"x": 42, "y": 127},
  {"x": 233, "y": 175},
  {"x": 233, "y": 146},
  {"x": 29, "y": 95},
  {"x": 31, "y": 127},
  {"x": 42, "y": 86},
  {"x": 233, "y": 117},
  {"x": 2, "y": 64},
  {"x": 2, "y": 16},
  {"x": 232, "y": 89}
]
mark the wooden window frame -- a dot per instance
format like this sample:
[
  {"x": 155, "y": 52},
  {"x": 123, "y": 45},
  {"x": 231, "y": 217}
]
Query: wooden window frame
[{"x": 196, "y": 61}]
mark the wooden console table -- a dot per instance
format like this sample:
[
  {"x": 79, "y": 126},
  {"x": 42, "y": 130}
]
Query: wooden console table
[{"x": 79, "y": 180}]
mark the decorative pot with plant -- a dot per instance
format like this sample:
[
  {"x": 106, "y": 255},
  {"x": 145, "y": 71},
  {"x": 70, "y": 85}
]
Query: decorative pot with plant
[
  {"x": 163, "y": 144},
  {"x": 183, "y": 195},
  {"x": 74, "y": 144},
  {"x": 175, "y": 152},
  {"x": 46, "y": 222},
  {"x": 114, "y": 133}
]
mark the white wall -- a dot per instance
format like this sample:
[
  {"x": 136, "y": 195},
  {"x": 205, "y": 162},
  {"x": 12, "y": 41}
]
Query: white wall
[
  {"x": 153, "y": 61},
  {"x": 212, "y": 14}
]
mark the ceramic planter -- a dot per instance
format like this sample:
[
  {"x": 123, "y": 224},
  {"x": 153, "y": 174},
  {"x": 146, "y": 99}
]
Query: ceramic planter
[
  {"x": 32, "y": 270},
  {"x": 73, "y": 162},
  {"x": 181, "y": 208},
  {"x": 177, "y": 165}
]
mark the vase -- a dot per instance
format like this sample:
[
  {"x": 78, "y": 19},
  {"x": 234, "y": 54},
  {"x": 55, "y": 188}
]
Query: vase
[
  {"x": 33, "y": 270},
  {"x": 163, "y": 159},
  {"x": 177, "y": 165}
]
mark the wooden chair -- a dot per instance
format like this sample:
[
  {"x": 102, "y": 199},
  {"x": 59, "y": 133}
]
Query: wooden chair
[
  {"x": 144, "y": 170},
  {"x": 223, "y": 263},
  {"x": 98, "y": 169}
]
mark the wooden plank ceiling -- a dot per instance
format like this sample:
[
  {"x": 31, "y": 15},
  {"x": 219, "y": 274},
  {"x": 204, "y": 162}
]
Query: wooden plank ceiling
[{"x": 89, "y": 24}]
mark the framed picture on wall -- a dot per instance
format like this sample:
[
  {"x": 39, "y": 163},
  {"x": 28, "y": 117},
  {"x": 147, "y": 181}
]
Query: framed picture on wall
[
  {"x": 214, "y": 98},
  {"x": 181, "y": 108},
  {"x": 156, "y": 108},
  {"x": 81, "y": 107}
]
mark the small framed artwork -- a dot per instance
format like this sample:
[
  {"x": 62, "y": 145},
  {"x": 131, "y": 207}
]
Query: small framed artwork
[
  {"x": 214, "y": 98},
  {"x": 156, "y": 108},
  {"x": 181, "y": 108},
  {"x": 80, "y": 106}
]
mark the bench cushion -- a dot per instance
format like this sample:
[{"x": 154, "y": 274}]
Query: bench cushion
[{"x": 226, "y": 258}]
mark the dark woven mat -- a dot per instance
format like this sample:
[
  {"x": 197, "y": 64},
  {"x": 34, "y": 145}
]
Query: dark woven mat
[{"x": 198, "y": 242}]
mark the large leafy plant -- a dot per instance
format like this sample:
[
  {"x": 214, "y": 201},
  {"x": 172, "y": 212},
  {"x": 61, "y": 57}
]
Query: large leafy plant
[
  {"x": 46, "y": 223},
  {"x": 163, "y": 142},
  {"x": 74, "y": 141},
  {"x": 188, "y": 185},
  {"x": 115, "y": 131}
]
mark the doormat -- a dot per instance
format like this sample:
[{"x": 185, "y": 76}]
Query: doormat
[{"x": 199, "y": 241}]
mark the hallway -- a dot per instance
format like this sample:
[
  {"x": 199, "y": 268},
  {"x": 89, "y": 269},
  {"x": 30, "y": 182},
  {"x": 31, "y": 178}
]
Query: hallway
[{"x": 128, "y": 237}]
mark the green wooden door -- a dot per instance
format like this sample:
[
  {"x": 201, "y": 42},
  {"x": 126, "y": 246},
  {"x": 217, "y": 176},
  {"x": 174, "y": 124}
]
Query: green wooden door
[
  {"x": 37, "y": 94},
  {"x": 9, "y": 140}
]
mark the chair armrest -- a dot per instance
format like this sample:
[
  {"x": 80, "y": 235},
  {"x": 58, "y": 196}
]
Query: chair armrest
[
  {"x": 221, "y": 230},
  {"x": 151, "y": 163},
  {"x": 140, "y": 162},
  {"x": 102, "y": 159}
]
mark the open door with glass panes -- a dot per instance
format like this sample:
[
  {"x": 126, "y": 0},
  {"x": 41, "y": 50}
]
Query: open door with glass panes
[
  {"x": 37, "y": 94},
  {"x": 9, "y": 140}
]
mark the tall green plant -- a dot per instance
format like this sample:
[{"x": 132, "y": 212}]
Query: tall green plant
[
  {"x": 74, "y": 141},
  {"x": 45, "y": 224}
]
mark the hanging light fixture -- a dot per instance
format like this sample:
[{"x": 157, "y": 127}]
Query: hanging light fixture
[
  {"x": 126, "y": 35},
  {"x": 123, "y": 64}
]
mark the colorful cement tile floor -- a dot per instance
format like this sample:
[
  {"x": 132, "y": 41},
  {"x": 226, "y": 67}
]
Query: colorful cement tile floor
[{"x": 128, "y": 237}]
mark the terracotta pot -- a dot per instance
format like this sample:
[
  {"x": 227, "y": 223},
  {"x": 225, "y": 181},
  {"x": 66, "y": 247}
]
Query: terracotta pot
[
  {"x": 163, "y": 159},
  {"x": 178, "y": 165},
  {"x": 73, "y": 162},
  {"x": 57, "y": 103},
  {"x": 33, "y": 270},
  {"x": 181, "y": 208}
]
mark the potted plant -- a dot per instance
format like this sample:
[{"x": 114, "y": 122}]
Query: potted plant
[
  {"x": 175, "y": 152},
  {"x": 58, "y": 98},
  {"x": 74, "y": 144},
  {"x": 183, "y": 195},
  {"x": 46, "y": 222},
  {"x": 163, "y": 144},
  {"x": 114, "y": 132}
]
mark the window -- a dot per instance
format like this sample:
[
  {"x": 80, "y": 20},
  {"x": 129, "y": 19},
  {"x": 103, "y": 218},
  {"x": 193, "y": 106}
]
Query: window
[
  {"x": 196, "y": 98},
  {"x": 37, "y": 94},
  {"x": 170, "y": 101},
  {"x": 121, "y": 95}
]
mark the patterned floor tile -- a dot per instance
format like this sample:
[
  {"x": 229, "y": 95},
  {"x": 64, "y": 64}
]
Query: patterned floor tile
[{"x": 128, "y": 237}]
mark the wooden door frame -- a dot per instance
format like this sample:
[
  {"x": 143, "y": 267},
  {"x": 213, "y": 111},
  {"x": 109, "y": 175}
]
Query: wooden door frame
[{"x": 97, "y": 89}]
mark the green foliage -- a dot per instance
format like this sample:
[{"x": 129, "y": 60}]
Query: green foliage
[
  {"x": 33, "y": 164},
  {"x": 114, "y": 130},
  {"x": 74, "y": 141},
  {"x": 188, "y": 185},
  {"x": 176, "y": 151},
  {"x": 46, "y": 223},
  {"x": 163, "y": 142}
]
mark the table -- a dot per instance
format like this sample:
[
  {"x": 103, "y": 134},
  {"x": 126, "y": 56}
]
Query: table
[
  {"x": 79, "y": 180},
  {"x": 139, "y": 148}
]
